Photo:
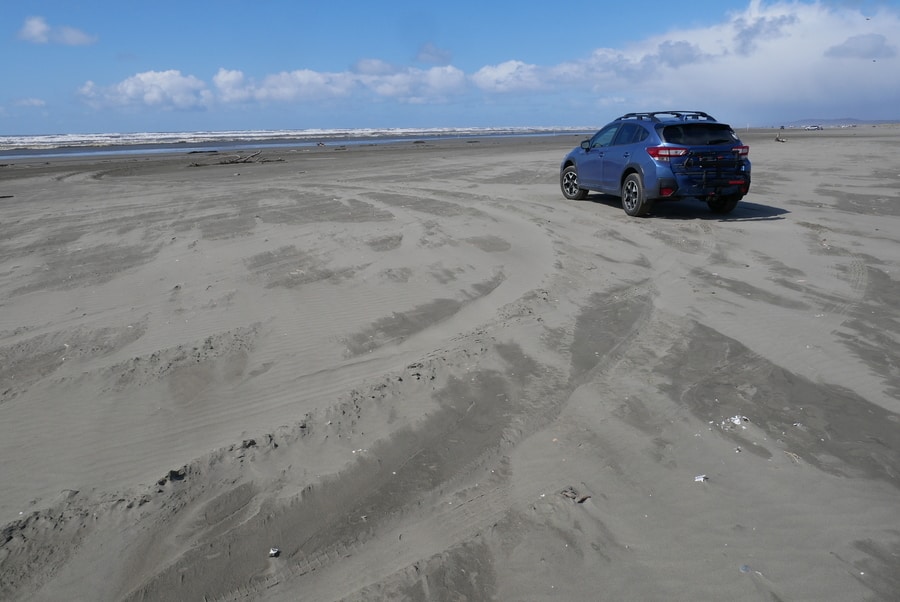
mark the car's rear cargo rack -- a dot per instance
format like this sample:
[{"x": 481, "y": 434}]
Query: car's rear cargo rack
[{"x": 683, "y": 115}]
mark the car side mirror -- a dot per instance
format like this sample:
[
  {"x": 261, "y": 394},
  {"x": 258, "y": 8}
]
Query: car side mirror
[{"x": 586, "y": 144}]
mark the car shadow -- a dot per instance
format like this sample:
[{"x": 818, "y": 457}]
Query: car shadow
[{"x": 685, "y": 209}]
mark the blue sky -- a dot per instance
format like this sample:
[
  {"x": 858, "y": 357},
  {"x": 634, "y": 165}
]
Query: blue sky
[{"x": 130, "y": 66}]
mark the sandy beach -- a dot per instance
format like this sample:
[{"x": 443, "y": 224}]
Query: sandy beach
[{"x": 420, "y": 373}]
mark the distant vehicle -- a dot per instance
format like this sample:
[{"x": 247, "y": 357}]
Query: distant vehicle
[
  {"x": 644, "y": 158},
  {"x": 813, "y": 127}
]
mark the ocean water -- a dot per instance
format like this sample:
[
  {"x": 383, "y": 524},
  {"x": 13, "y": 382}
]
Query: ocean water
[{"x": 55, "y": 145}]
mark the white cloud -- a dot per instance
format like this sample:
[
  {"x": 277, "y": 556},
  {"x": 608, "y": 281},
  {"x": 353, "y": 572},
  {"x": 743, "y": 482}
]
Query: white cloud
[
  {"x": 756, "y": 29},
  {"x": 371, "y": 75},
  {"x": 771, "y": 55},
  {"x": 72, "y": 37},
  {"x": 783, "y": 54},
  {"x": 37, "y": 31},
  {"x": 863, "y": 46},
  {"x": 389, "y": 84},
  {"x": 416, "y": 85},
  {"x": 30, "y": 102},
  {"x": 429, "y": 53},
  {"x": 675, "y": 53},
  {"x": 159, "y": 89},
  {"x": 786, "y": 53},
  {"x": 444, "y": 80},
  {"x": 304, "y": 84},
  {"x": 374, "y": 67},
  {"x": 232, "y": 86},
  {"x": 509, "y": 76}
]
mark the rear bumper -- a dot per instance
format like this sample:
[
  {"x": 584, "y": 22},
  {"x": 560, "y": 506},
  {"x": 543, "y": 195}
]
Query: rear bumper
[{"x": 701, "y": 186}]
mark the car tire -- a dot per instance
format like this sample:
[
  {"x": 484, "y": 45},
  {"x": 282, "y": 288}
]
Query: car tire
[
  {"x": 568, "y": 183},
  {"x": 634, "y": 200},
  {"x": 723, "y": 204}
]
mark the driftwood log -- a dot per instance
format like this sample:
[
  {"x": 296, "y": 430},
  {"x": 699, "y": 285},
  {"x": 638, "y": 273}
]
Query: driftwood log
[
  {"x": 231, "y": 159},
  {"x": 234, "y": 159}
]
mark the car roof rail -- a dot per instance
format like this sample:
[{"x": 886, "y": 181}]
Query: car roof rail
[{"x": 682, "y": 115}]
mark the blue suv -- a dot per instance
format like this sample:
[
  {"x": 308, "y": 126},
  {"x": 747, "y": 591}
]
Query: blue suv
[{"x": 665, "y": 155}]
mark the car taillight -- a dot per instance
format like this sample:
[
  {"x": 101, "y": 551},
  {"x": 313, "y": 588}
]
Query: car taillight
[
  {"x": 664, "y": 153},
  {"x": 741, "y": 151}
]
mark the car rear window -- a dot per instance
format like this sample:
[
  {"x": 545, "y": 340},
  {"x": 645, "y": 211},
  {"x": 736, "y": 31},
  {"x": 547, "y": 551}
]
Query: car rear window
[{"x": 698, "y": 134}]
